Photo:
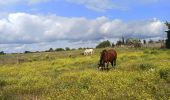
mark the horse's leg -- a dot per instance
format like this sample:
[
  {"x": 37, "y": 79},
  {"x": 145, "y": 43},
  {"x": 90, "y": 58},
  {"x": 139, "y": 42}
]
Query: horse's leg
[
  {"x": 114, "y": 62},
  {"x": 107, "y": 66},
  {"x": 102, "y": 68},
  {"x": 111, "y": 63}
]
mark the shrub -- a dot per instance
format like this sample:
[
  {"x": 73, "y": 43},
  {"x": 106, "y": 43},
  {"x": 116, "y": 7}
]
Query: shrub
[
  {"x": 150, "y": 52},
  {"x": 59, "y": 49},
  {"x": 146, "y": 52},
  {"x": 144, "y": 66},
  {"x": 2, "y": 53},
  {"x": 2, "y": 83},
  {"x": 27, "y": 52},
  {"x": 104, "y": 44},
  {"x": 67, "y": 49},
  {"x": 165, "y": 74},
  {"x": 154, "y": 52},
  {"x": 50, "y": 50}
]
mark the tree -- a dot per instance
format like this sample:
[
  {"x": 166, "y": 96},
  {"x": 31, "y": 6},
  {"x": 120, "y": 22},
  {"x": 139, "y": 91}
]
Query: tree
[
  {"x": 80, "y": 48},
  {"x": 73, "y": 49},
  {"x": 144, "y": 41},
  {"x": 2, "y": 53},
  {"x": 123, "y": 40},
  {"x": 67, "y": 49},
  {"x": 150, "y": 41},
  {"x": 104, "y": 44},
  {"x": 135, "y": 42},
  {"x": 50, "y": 50},
  {"x": 59, "y": 49},
  {"x": 119, "y": 43},
  {"x": 27, "y": 52},
  {"x": 113, "y": 45},
  {"x": 168, "y": 35}
]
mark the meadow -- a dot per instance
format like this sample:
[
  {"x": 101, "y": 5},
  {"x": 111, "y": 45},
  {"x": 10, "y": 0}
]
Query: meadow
[{"x": 140, "y": 74}]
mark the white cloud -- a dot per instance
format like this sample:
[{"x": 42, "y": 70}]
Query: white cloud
[
  {"x": 95, "y": 5},
  {"x": 36, "y": 1},
  {"x": 11, "y": 2},
  {"x": 104, "y": 5},
  {"x": 28, "y": 28},
  {"x": 98, "y": 5},
  {"x": 24, "y": 28},
  {"x": 7, "y": 2}
]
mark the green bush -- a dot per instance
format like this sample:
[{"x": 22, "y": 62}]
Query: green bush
[
  {"x": 145, "y": 66},
  {"x": 146, "y": 51},
  {"x": 165, "y": 74},
  {"x": 150, "y": 52},
  {"x": 104, "y": 44},
  {"x": 59, "y": 49},
  {"x": 154, "y": 52},
  {"x": 67, "y": 49},
  {"x": 2, "y": 83}
]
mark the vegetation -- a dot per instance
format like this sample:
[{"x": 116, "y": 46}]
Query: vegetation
[
  {"x": 59, "y": 49},
  {"x": 50, "y": 50},
  {"x": 2, "y": 53},
  {"x": 104, "y": 44},
  {"x": 140, "y": 74},
  {"x": 27, "y": 52},
  {"x": 168, "y": 35},
  {"x": 67, "y": 49}
]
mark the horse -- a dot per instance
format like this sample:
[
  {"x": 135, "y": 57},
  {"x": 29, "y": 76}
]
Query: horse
[
  {"x": 88, "y": 52},
  {"x": 106, "y": 57}
]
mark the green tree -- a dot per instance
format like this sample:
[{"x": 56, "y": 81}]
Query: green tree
[
  {"x": 2, "y": 53},
  {"x": 168, "y": 35},
  {"x": 80, "y": 48},
  {"x": 50, "y": 50},
  {"x": 67, "y": 49},
  {"x": 27, "y": 52},
  {"x": 59, "y": 49},
  {"x": 104, "y": 44}
]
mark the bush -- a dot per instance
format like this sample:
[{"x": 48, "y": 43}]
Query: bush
[
  {"x": 27, "y": 52},
  {"x": 67, "y": 49},
  {"x": 50, "y": 50},
  {"x": 59, "y": 49},
  {"x": 146, "y": 51},
  {"x": 2, "y": 83},
  {"x": 104, "y": 44},
  {"x": 145, "y": 66},
  {"x": 154, "y": 52},
  {"x": 165, "y": 74},
  {"x": 150, "y": 52},
  {"x": 2, "y": 53}
]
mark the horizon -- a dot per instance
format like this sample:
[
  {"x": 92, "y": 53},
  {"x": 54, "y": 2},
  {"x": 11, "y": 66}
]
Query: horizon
[{"x": 37, "y": 25}]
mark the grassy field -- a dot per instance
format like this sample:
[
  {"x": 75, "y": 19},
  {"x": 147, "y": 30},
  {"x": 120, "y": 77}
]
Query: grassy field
[{"x": 140, "y": 74}]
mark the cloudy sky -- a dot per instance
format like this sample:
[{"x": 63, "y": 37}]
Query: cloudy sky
[{"x": 41, "y": 24}]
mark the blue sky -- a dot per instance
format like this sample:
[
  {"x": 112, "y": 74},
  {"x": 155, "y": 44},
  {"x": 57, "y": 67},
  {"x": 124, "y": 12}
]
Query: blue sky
[
  {"x": 41, "y": 24},
  {"x": 129, "y": 9}
]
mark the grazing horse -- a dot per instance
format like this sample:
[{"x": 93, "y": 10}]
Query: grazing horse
[
  {"x": 88, "y": 52},
  {"x": 106, "y": 57}
]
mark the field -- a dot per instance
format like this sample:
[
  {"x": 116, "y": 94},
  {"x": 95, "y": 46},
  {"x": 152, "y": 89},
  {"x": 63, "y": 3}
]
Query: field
[{"x": 140, "y": 74}]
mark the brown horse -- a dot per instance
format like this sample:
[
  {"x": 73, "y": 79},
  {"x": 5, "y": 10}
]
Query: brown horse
[{"x": 106, "y": 57}]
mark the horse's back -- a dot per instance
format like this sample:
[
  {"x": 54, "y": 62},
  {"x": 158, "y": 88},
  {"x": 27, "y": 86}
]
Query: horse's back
[{"x": 112, "y": 53}]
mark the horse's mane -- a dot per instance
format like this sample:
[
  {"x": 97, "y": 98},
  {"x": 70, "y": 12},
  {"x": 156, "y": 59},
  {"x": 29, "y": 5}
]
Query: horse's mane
[{"x": 102, "y": 55}]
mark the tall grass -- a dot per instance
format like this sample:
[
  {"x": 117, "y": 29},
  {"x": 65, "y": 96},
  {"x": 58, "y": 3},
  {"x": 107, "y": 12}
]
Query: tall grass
[{"x": 138, "y": 75}]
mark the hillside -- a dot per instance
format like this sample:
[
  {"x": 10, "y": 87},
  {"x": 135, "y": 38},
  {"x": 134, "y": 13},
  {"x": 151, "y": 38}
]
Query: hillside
[{"x": 140, "y": 74}]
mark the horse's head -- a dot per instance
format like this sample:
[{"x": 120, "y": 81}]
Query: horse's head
[{"x": 102, "y": 57}]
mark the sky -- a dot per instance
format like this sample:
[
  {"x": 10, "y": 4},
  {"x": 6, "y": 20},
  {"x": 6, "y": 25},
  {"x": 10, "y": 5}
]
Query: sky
[{"x": 37, "y": 25}]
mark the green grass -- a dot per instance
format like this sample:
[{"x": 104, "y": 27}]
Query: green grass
[{"x": 142, "y": 74}]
